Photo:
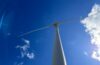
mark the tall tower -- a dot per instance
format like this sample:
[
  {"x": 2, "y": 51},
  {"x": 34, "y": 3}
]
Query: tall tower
[{"x": 58, "y": 55}]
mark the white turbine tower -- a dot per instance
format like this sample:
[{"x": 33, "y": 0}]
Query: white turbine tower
[
  {"x": 58, "y": 54},
  {"x": 58, "y": 57}
]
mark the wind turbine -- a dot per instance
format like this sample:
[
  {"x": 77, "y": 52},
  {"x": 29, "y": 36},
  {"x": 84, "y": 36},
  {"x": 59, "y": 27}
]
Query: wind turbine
[{"x": 58, "y": 53}]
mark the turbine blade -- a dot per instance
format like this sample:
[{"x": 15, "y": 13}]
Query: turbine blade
[{"x": 42, "y": 28}]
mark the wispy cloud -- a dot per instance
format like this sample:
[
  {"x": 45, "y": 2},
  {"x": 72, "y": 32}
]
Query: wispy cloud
[
  {"x": 21, "y": 63},
  {"x": 1, "y": 21},
  {"x": 25, "y": 52},
  {"x": 92, "y": 25},
  {"x": 85, "y": 53}
]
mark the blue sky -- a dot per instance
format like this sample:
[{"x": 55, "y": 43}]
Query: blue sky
[{"x": 20, "y": 16}]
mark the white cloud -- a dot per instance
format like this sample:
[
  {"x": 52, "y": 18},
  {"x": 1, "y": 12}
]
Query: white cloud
[
  {"x": 26, "y": 41},
  {"x": 92, "y": 25},
  {"x": 30, "y": 55},
  {"x": 24, "y": 49},
  {"x": 96, "y": 55}
]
